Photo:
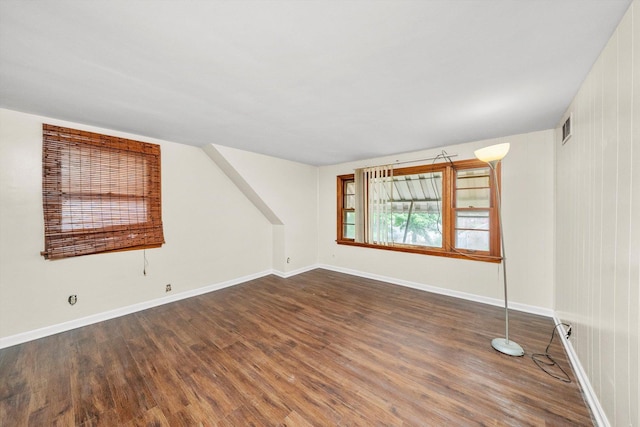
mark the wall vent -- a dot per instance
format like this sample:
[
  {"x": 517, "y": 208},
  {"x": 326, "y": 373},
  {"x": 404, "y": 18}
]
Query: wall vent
[{"x": 567, "y": 129}]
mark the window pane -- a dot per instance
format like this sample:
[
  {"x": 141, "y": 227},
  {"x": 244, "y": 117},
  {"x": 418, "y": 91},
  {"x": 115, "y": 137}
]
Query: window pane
[
  {"x": 349, "y": 232},
  {"x": 350, "y": 202},
  {"x": 425, "y": 207},
  {"x": 421, "y": 228},
  {"x": 472, "y": 240},
  {"x": 473, "y": 198},
  {"x": 349, "y": 217},
  {"x": 420, "y": 187},
  {"x": 416, "y": 217},
  {"x": 477, "y": 220},
  {"x": 350, "y": 188},
  {"x": 472, "y": 178}
]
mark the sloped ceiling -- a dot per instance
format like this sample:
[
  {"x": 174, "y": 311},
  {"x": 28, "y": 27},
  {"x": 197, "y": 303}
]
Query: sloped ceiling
[{"x": 319, "y": 82}]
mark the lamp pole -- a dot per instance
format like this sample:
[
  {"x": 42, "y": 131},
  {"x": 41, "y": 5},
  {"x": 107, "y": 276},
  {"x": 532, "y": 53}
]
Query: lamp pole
[{"x": 493, "y": 155}]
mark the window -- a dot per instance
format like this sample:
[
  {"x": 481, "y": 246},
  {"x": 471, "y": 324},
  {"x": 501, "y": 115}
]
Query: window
[
  {"x": 472, "y": 209},
  {"x": 346, "y": 209},
  {"x": 100, "y": 193},
  {"x": 445, "y": 209}
]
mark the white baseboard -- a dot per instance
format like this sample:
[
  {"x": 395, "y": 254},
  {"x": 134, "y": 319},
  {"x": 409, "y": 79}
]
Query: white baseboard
[
  {"x": 99, "y": 317},
  {"x": 589, "y": 393},
  {"x": 286, "y": 275},
  {"x": 442, "y": 291},
  {"x": 84, "y": 321}
]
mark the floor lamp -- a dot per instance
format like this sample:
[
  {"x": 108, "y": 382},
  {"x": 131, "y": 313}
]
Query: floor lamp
[{"x": 493, "y": 155}]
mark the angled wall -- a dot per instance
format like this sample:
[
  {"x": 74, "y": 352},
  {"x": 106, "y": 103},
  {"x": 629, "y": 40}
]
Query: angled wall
[{"x": 289, "y": 190}]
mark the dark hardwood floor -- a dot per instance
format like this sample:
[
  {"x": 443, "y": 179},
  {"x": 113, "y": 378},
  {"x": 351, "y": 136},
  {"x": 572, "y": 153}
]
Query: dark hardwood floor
[{"x": 318, "y": 349}]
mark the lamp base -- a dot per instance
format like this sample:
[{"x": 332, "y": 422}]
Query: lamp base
[{"x": 507, "y": 347}]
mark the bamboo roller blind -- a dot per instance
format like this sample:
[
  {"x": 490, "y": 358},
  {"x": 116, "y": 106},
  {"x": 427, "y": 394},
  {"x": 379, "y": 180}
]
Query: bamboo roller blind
[{"x": 100, "y": 193}]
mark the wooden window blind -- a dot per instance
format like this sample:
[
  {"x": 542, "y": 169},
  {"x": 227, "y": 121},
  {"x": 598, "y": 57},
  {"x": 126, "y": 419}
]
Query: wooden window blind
[{"x": 100, "y": 193}]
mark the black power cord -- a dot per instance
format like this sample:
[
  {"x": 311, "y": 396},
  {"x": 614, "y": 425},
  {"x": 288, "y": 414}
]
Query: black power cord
[{"x": 546, "y": 362}]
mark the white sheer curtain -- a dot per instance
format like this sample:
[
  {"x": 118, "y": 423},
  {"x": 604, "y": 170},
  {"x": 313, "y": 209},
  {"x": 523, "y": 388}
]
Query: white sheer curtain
[{"x": 374, "y": 193}]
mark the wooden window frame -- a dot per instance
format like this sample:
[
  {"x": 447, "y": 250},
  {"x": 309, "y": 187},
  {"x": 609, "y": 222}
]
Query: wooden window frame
[
  {"x": 342, "y": 210},
  {"x": 100, "y": 193},
  {"x": 448, "y": 213}
]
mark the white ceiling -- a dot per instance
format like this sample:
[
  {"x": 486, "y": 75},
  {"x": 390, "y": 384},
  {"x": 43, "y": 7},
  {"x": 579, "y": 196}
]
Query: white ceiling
[{"x": 320, "y": 82}]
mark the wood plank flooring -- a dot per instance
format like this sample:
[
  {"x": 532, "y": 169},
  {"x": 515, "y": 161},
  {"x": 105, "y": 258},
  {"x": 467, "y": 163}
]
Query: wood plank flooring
[{"x": 318, "y": 349}]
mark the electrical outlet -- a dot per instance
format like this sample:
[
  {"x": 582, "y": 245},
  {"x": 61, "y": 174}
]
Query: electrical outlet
[
  {"x": 168, "y": 288},
  {"x": 73, "y": 299},
  {"x": 288, "y": 260},
  {"x": 569, "y": 332}
]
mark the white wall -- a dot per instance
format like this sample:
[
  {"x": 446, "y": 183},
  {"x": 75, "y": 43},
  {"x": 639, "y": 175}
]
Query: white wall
[
  {"x": 598, "y": 224},
  {"x": 213, "y": 234},
  {"x": 528, "y": 197},
  {"x": 290, "y": 190}
]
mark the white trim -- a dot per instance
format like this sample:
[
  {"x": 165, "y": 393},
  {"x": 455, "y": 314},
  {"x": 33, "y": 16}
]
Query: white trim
[
  {"x": 286, "y": 275},
  {"x": 111, "y": 314},
  {"x": 589, "y": 393},
  {"x": 99, "y": 317},
  {"x": 443, "y": 291}
]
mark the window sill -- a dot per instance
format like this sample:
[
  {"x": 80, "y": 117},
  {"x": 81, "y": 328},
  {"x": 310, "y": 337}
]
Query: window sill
[{"x": 433, "y": 252}]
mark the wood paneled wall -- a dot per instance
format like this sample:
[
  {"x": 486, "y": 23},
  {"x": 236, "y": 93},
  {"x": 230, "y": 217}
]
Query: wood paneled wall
[{"x": 598, "y": 223}]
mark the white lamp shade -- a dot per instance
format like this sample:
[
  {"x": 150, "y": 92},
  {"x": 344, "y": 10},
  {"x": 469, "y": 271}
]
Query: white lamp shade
[{"x": 493, "y": 152}]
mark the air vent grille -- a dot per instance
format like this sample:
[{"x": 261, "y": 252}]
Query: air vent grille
[{"x": 567, "y": 129}]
